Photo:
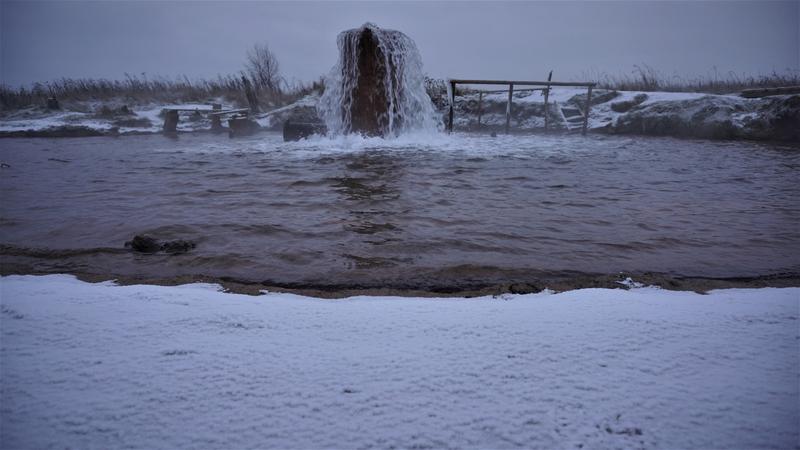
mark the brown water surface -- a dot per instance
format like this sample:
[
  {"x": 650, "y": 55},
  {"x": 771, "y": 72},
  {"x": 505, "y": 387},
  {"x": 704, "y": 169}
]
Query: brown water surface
[{"x": 462, "y": 208}]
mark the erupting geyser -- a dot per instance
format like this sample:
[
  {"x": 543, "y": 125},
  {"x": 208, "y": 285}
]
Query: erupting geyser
[{"x": 377, "y": 88}]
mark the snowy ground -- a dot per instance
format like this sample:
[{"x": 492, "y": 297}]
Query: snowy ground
[
  {"x": 39, "y": 119},
  {"x": 601, "y": 114},
  {"x": 104, "y": 366}
]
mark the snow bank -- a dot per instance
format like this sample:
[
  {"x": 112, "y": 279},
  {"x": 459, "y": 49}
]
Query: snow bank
[
  {"x": 713, "y": 116},
  {"x": 104, "y": 366},
  {"x": 677, "y": 114},
  {"x": 305, "y": 108},
  {"x": 528, "y": 106},
  {"x": 37, "y": 121}
]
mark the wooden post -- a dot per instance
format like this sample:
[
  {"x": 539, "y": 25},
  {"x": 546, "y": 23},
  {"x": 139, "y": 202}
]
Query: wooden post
[
  {"x": 216, "y": 123},
  {"x": 546, "y": 98},
  {"x": 586, "y": 110},
  {"x": 170, "y": 121},
  {"x": 216, "y": 119},
  {"x": 480, "y": 107},
  {"x": 508, "y": 107},
  {"x": 452, "y": 100},
  {"x": 52, "y": 103}
]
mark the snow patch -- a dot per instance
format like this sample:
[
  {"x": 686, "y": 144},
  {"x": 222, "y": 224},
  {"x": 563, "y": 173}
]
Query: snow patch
[
  {"x": 629, "y": 283},
  {"x": 103, "y": 366}
]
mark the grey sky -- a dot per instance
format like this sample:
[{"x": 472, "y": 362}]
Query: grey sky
[{"x": 46, "y": 40}]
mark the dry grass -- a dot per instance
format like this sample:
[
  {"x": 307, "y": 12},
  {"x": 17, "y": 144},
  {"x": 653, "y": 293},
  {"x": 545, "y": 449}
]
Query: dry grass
[
  {"x": 142, "y": 90},
  {"x": 645, "y": 78}
]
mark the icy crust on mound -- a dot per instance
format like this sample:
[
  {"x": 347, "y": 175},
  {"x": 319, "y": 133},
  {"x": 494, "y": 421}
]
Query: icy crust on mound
[
  {"x": 96, "y": 118},
  {"x": 527, "y": 109},
  {"x": 303, "y": 110},
  {"x": 146, "y": 119},
  {"x": 104, "y": 366},
  {"x": 715, "y": 117},
  {"x": 678, "y": 114}
]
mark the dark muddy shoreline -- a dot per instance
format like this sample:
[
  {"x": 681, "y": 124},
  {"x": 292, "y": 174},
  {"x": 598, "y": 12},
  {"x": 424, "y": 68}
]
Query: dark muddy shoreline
[{"x": 516, "y": 282}]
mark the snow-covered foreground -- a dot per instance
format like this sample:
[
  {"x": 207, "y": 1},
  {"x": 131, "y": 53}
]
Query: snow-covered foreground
[{"x": 104, "y": 366}]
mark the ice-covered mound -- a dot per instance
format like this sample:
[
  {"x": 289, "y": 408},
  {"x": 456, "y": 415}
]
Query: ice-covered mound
[
  {"x": 626, "y": 112},
  {"x": 78, "y": 119},
  {"x": 715, "y": 117},
  {"x": 676, "y": 114},
  {"x": 304, "y": 110}
]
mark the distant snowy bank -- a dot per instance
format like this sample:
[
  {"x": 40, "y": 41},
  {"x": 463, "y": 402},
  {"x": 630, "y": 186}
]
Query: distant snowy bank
[
  {"x": 104, "y": 366},
  {"x": 98, "y": 119},
  {"x": 677, "y": 114}
]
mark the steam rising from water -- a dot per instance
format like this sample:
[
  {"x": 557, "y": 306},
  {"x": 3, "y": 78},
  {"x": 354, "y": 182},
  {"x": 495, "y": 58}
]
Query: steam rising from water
[{"x": 410, "y": 107}]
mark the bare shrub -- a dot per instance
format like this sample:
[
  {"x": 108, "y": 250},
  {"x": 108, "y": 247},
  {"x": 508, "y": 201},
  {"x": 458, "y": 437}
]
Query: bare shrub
[{"x": 263, "y": 68}]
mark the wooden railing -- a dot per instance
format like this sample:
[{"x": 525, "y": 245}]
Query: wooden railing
[{"x": 546, "y": 86}]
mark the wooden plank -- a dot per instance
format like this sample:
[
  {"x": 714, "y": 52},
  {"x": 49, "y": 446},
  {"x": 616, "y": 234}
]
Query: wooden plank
[
  {"x": 546, "y": 97},
  {"x": 526, "y": 83},
  {"x": 508, "y": 107},
  {"x": 766, "y": 92},
  {"x": 452, "y": 99},
  {"x": 188, "y": 109},
  {"x": 586, "y": 110},
  {"x": 515, "y": 90},
  {"x": 480, "y": 108},
  {"x": 229, "y": 111},
  {"x": 211, "y": 111}
]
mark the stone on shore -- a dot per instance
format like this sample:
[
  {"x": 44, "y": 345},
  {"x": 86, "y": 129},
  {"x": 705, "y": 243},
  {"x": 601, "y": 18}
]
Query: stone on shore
[{"x": 148, "y": 244}]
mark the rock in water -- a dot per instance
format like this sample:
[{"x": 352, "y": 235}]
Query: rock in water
[
  {"x": 144, "y": 244},
  {"x": 179, "y": 246},
  {"x": 296, "y": 130},
  {"x": 241, "y": 126},
  {"x": 301, "y": 122},
  {"x": 377, "y": 87}
]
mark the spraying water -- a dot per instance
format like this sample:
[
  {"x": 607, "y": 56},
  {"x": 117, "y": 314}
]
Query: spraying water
[{"x": 377, "y": 87}]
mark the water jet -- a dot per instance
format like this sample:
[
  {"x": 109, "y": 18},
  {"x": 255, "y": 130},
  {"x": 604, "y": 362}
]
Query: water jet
[{"x": 377, "y": 87}]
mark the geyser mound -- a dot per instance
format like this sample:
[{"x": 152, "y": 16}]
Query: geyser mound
[{"x": 377, "y": 87}]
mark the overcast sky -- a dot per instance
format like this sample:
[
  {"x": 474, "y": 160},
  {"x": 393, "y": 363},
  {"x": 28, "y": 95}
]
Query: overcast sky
[{"x": 41, "y": 41}]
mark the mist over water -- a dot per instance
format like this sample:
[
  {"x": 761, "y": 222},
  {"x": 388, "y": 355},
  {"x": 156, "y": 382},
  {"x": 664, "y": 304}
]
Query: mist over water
[{"x": 405, "y": 211}]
